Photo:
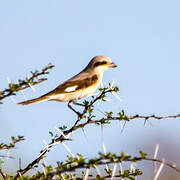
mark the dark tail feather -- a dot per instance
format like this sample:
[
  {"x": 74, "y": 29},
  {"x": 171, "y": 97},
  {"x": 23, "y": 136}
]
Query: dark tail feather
[{"x": 36, "y": 100}]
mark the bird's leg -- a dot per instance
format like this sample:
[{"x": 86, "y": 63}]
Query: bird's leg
[
  {"x": 74, "y": 102},
  {"x": 86, "y": 107},
  {"x": 70, "y": 106}
]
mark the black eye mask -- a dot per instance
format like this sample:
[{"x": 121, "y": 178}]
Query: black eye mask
[{"x": 100, "y": 63}]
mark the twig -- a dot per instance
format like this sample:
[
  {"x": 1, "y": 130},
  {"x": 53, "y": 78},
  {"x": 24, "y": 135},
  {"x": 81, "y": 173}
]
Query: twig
[
  {"x": 23, "y": 84},
  {"x": 165, "y": 163},
  {"x": 61, "y": 138},
  {"x": 3, "y": 174},
  {"x": 159, "y": 171},
  {"x": 152, "y": 116},
  {"x": 4, "y": 146},
  {"x": 76, "y": 126},
  {"x": 82, "y": 125},
  {"x": 103, "y": 161}
]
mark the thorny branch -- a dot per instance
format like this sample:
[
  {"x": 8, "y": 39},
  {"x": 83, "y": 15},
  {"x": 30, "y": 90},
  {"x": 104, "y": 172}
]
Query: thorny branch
[
  {"x": 62, "y": 138},
  {"x": 11, "y": 145},
  {"x": 79, "y": 162},
  {"x": 108, "y": 160},
  {"x": 3, "y": 174},
  {"x": 88, "y": 108},
  {"x": 23, "y": 84},
  {"x": 4, "y": 146},
  {"x": 153, "y": 116},
  {"x": 166, "y": 163}
]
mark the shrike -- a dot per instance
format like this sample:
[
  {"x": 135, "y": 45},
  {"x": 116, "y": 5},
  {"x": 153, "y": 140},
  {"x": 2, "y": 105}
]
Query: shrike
[{"x": 79, "y": 86}]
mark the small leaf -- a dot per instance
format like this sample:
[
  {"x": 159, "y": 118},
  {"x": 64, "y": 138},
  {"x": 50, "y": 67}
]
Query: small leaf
[
  {"x": 142, "y": 154},
  {"x": 51, "y": 133}
]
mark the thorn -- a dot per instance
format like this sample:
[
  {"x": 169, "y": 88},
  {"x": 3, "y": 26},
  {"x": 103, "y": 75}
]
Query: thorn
[
  {"x": 98, "y": 171},
  {"x": 123, "y": 127},
  {"x": 61, "y": 132},
  {"x": 20, "y": 163},
  {"x": 102, "y": 85},
  {"x": 117, "y": 97},
  {"x": 159, "y": 170},
  {"x": 67, "y": 148},
  {"x": 132, "y": 167},
  {"x": 85, "y": 134},
  {"x": 33, "y": 89},
  {"x": 87, "y": 173},
  {"x": 114, "y": 94},
  {"x": 20, "y": 175},
  {"x": 155, "y": 156},
  {"x": 121, "y": 169},
  {"x": 174, "y": 165},
  {"x": 45, "y": 143},
  {"x": 146, "y": 120},
  {"x": 22, "y": 92},
  {"x": 13, "y": 100},
  {"x": 114, "y": 171},
  {"x": 112, "y": 84},
  {"x": 102, "y": 139},
  {"x": 46, "y": 148},
  {"x": 103, "y": 145},
  {"x": 8, "y": 79},
  {"x": 101, "y": 111}
]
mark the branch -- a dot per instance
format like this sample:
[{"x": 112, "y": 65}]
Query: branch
[
  {"x": 79, "y": 162},
  {"x": 12, "y": 144},
  {"x": 3, "y": 174},
  {"x": 153, "y": 116},
  {"x": 118, "y": 159},
  {"x": 87, "y": 113},
  {"x": 28, "y": 82},
  {"x": 171, "y": 165},
  {"x": 87, "y": 107}
]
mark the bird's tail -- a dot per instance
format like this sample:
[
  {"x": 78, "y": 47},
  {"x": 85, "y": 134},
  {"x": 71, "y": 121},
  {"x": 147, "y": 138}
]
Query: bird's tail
[{"x": 35, "y": 100}]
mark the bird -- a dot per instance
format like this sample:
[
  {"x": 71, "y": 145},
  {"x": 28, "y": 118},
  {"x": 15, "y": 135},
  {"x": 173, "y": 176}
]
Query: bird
[{"x": 82, "y": 85}]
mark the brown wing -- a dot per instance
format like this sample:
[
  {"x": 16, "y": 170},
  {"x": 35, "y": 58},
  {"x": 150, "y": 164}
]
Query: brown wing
[{"x": 80, "y": 85}]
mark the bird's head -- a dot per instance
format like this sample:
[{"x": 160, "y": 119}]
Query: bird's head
[{"x": 100, "y": 64}]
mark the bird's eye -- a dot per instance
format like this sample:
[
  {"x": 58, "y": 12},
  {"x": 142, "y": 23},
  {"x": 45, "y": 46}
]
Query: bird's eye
[
  {"x": 100, "y": 63},
  {"x": 104, "y": 62},
  {"x": 97, "y": 64}
]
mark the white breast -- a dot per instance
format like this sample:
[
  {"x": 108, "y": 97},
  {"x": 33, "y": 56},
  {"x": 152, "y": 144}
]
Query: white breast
[{"x": 73, "y": 96}]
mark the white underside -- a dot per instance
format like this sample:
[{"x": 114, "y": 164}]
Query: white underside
[{"x": 73, "y": 96}]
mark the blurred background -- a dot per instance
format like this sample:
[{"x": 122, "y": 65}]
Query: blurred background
[{"x": 141, "y": 37}]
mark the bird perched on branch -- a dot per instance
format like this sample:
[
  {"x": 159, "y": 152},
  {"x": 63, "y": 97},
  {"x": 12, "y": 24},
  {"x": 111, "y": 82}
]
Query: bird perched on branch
[{"x": 79, "y": 86}]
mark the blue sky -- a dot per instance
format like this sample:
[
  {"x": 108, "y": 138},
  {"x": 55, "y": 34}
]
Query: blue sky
[{"x": 141, "y": 37}]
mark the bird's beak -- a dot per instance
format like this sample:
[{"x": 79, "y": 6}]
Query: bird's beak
[{"x": 113, "y": 65}]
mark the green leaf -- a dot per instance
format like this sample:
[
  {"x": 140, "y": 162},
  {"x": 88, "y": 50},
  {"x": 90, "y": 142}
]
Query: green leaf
[
  {"x": 51, "y": 133},
  {"x": 122, "y": 116},
  {"x": 62, "y": 128},
  {"x": 142, "y": 154}
]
